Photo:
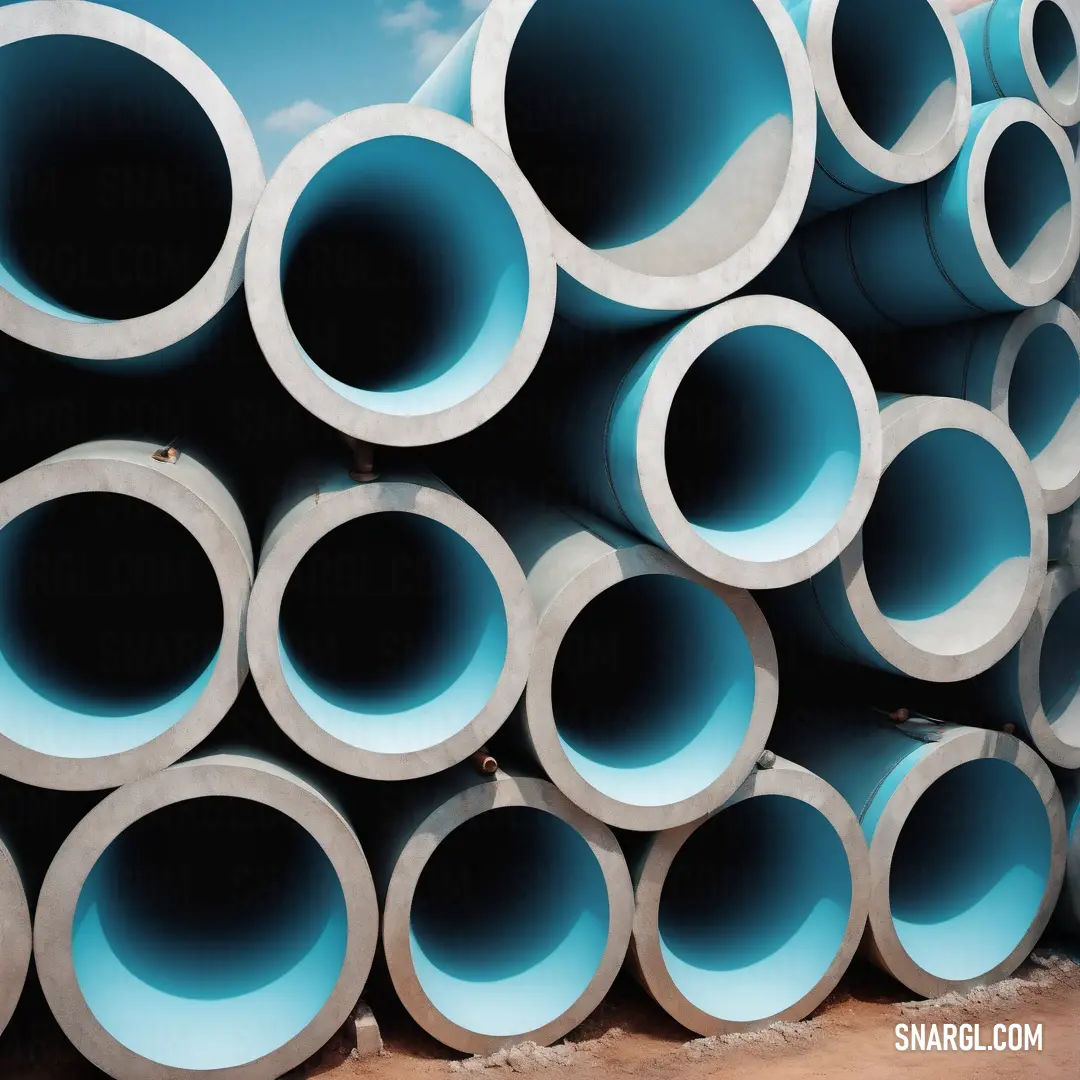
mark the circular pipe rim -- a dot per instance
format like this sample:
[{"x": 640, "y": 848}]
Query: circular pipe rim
[
  {"x": 1063, "y": 113},
  {"x": 684, "y": 349},
  {"x": 495, "y": 793},
  {"x": 498, "y": 32},
  {"x": 625, "y": 564},
  {"x": 956, "y": 748},
  {"x": 784, "y": 780},
  {"x": 126, "y": 339},
  {"x": 225, "y": 775},
  {"x": 275, "y": 572},
  {"x": 16, "y": 935},
  {"x": 188, "y": 492},
  {"x": 263, "y": 286}
]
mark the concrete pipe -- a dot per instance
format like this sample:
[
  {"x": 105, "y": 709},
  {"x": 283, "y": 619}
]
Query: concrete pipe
[
  {"x": 122, "y": 608},
  {"x": 752, "y": 915},
  {"x": 652, "y": 690},
  {"x": 507, "y": 913},
  {"x": 894, "y": 95},
  {"x": 945, "y": 575},
  {"x": 967, "y": 840},
  {"x": 15, "y": 936},
  {"x": 390, "y": 628},
  {"x": 400, "y": 276},
  {"x": 1067, "y": 913},
  {"x": 1026, "y": 49},
  {"x": 129, "y": 180},
  {"x": 981, "y": 237},
  {"x": 217, "y": 919},
  {"x": 1024, "y": 368},
  {"x": 674, "y": 156}
]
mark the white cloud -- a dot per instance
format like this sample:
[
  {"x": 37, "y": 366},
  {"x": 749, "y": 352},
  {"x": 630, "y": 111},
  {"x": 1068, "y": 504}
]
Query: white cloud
[
  {"x": 474, "y": 6},
  {"x": 430, "y": 43},
  {"x": 416, "y": 15},
  {"x": 298, "y": 118},
  {"x": 430, "y": 46}
]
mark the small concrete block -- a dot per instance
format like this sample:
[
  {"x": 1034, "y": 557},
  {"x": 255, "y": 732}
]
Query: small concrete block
[{"x": 368, "y": 1038}]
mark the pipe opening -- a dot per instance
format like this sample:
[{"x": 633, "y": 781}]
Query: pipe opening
[
  {"x": 1054, "y": 43},
  {"x": 895, "y": 71},
  {"x": 762, "y": 445},
  {"x": 754, "y": 908},
  {"x": 1059, "y": 671},
  {"x": 116, "y": 190},
  {"x": 393, "y": 633},
  {"x": 970, "y": 869},
  {"x": 1044, "y": 404},
  {"x": 653, "y": 689},
  {"x": 404, "y": 275},
  {"x": 685, "y": 111},
  {"x": 1027, "y": 209},
  {"x": 209, "y": 933},
  {"x": 509, "y": 921},
  {"x": 947, "y": 541},
  {"x": 110, "y": 622}
]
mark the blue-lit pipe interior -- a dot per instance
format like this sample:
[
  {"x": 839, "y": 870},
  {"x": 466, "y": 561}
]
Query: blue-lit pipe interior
[
  {"x": 507, "y": 953},
  {"x": 621, "y": 133},
  {"x": 404, "y": 275},
  {"x": 653, "y": 689},
  {"x": 393, "y": 633},
  {"x": 116, "y": 191},
  {"x": 949, "y": 524},
  {"x": 970, "y": 869},
  {"x": 754, "y": 908},
  {"x": 110, "y": 623},
  {"x": 209, "y": 933},
  {"x": 1059, "y": 671},
  {"x": 1055, "y": 50},
  {"x": 763, "y": 444}
]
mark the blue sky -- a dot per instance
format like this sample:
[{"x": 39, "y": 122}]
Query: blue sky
[{"x": 291, "y": 64}]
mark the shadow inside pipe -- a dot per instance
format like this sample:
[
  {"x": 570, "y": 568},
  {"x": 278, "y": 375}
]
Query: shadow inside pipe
[
  {"x": 1059, "y": 671},
  {"x": 1055, "y": 51}
]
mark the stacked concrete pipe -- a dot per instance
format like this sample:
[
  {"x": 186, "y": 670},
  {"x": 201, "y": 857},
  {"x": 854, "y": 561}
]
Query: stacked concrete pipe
[
  {"x": 893, "y": 90},
  {"x": 751, "y": 915},
  {"x": 673, "y": 157},
  {"x": 390, "y": 628},
  {"x": 1067, "y": 914},
  {"x": 129, "y": 180},
  {"x": 215, "y": 919},
  {"x": 431, "y": 227},
  {"x": 967, "y": 839},
  {"x": 945, "y": 575},
  {"x": 16, "y": 941},
  {"x": 100, "y": 685}
]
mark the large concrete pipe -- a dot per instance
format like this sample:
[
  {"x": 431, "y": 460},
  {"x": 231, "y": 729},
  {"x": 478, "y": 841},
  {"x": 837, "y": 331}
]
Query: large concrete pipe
[
  {"x": 894, "y": 94},
  {"x": 15, "y": 936},
  {"x": 652, "y": 689},
  {"x": 1027, "y": 49},
  {"x": 1067, "y": 914},
  {"x": 216, "y": 919},
  {"x": 507, "y": 910},
  {"x": 944, "y": 577},
  {"x": 1024, "y": 368},
  {"x": 390, "y": 628},
  {"x": 967, "y": 840},
  {"x": 981, "y": 237},
  {"x": 400, "y": 275},
  {"x": 671, "y": 141},
  {"x": 122, "y": 602},
  {"x": 752, "y": 915},
  {"x": 129, "y": 180}
]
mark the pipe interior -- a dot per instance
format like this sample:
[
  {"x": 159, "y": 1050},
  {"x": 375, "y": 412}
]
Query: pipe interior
[
  {"x": 505, "y": 953},
  {"x": 762, "y": 445},
  {"x": 393, "y": 633},
  {"x": 1059, "y": 671},
  {"x": 970, "y": 869},
  {"x": 653, "y": 690},
  {"x": 209, "y": 933},
  {"x": 754, "y": 908},
  {"x": 110, "y": 623},
  {"x": 404, "y": 275},
  {"x": 895, "y": 71},
  {"x": 1055, "y": 51},
  {"x": 1028, "y": 210},
  {"x": 683, "y": 116},
  {"x": 116, "y": 190},
  {"x": 1044, "y": 404},
  {"x": 946, "y": 544}
]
